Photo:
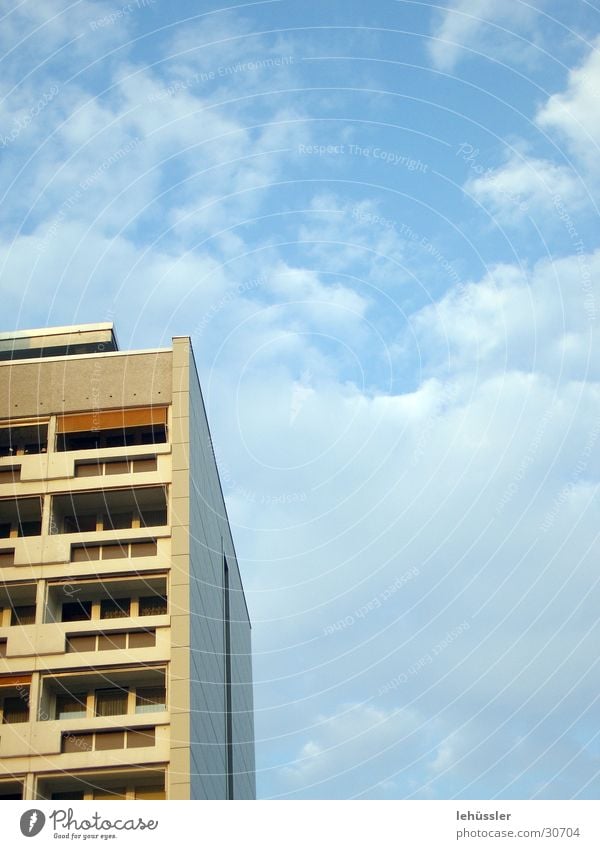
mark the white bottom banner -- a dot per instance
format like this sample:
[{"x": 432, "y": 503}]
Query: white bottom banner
[{"x": 273, "y": 825}]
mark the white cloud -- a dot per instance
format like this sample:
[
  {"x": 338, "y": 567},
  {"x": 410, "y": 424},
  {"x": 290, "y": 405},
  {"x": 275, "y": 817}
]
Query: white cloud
[
  {"x": 575, "y": 113},
  {"x": 485, "y": 27},
  {"x": 517, "y": 318},
  {"x": 526, "y": 186},
  {"x": 345, "y": 744}
]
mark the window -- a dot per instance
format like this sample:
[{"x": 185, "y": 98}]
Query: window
[
  {"x": 117, "y": 467},
  {"x": 29, "y": 529},
  {"x": 109, "y": 740},
  {"x": 20, "y": 517},
  {"x": 114, "y": 608},
  {"x": 142, "y": 639},
  {"x": 139, "y": 737},
  {"x": 117, "y": 521},
  {"x": 11, "y": 790},
  {"x": 11, "y": 474},
  {"x": 79, "y": 524},
  {"x": 126, "y": 466},
  {"x": 104, "y": 741},
  {"x": 149, "y": 699},
  {"x": 71, "y": 706},
  {"x": 111, "y": 428},
  {"x": 80, "y": 553},
  {"x": 73, "y": 743},
  {"x": 16, "y": 708},
  {"x": 23, "y": 439},
  {"x": 67, "y": 794},
  {"x": 117, "y": 793},
  {"x": 153, "y": 791},
  {"x": 76, "y": 611},
  {"x": 153, "y": 605},
  {"x": 135, "y": 783},
  {"x": 109, "y": 509},
  {"x": 85, "y": 642},
  {"x": 143, "y": 549},
  {"x": 23, "y": 615},
  {"x": 111, "y": 702},
  {"x": 111, "y": 642},
  {"x": 7, "y": 555}
]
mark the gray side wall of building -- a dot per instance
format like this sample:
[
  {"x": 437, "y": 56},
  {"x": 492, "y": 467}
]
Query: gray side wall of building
[{"x": 210, "y": 544}]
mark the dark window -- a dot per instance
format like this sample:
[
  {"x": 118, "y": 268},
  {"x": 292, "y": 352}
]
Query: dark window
[
  {"x": 28, "y": 439},
  {"x": 111, "y": 702},
  {"x": 148, "y": 518},
  {"x": 23, "y": 615},
  {"x": 114, "y": 608},
  {"x": 16, "y": 709},
  {"x": 71, "y": 706},
  {"x": 149, "y": 699},
  {"x": 67, "y": 794},
  {"x": 79, "y": 524},
  {"x": 116, "y": 440},
  {"x": 153, "y": 605},
  {"x": 154, "y": 435},
  {"x": 71, "y": 442},
  {"x": 116, "y": 521},
  {"x": 29, "y": 529},
  {"x": 76, "y": 611}
]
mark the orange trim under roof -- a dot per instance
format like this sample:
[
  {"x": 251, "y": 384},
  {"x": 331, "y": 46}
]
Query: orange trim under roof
[
  {"x": 111, "y": 419},
  {"x": 14, "y": 680}
]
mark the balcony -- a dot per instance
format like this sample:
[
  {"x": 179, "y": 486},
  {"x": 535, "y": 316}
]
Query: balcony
[
  {"x": 17, "y": 604},
  {"x": 20, "y": 517},
  {"x": 111, "y": 428},
  {"x": 116, "y": 598},
  {"x": 109, "y": 510},
  {"x": 20, "y": 440},
  {"x": 139, "y": 783},
  {"x": 14, "y": 702},
  {"x": 120, "y": 696},
  {"x": 11, "y": 789},
  {"x": 119, "y": 714}
]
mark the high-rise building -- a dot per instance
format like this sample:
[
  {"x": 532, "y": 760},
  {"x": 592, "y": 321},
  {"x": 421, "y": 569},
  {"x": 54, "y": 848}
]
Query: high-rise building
[{"x": 125, "y": 665}]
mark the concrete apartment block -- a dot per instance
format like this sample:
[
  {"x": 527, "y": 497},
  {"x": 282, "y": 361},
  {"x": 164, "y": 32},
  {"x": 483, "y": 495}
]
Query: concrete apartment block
[{"x": 125, "y": 658}]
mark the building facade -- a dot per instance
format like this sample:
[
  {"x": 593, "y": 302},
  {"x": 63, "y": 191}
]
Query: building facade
[{"x": 125, "y": 661}]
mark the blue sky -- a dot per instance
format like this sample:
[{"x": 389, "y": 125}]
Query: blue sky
[{"x": 378, "y": 223}]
